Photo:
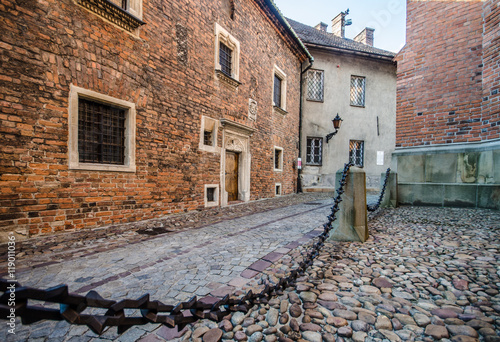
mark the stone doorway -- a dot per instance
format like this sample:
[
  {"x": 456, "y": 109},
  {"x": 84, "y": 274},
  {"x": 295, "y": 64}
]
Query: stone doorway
[{"x": 235, "y": 162}]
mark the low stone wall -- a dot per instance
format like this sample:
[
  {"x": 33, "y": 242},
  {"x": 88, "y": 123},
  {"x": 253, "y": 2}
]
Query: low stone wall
[{"x": 458, "y": 175}]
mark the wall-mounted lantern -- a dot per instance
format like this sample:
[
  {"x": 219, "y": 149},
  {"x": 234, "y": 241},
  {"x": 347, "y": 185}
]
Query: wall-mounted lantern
[{"x": 336, "y": 124}]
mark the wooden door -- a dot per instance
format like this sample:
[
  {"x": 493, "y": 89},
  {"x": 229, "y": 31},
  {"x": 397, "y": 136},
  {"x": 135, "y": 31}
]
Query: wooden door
[{"x": 232, "y": 176}]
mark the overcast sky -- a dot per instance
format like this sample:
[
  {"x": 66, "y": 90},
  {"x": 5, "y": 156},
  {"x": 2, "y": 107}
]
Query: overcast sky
[{"x": 387, "y": 17}]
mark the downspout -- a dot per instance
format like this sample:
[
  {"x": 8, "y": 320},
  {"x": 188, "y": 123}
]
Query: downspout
[{"x": 299, "y": 170}]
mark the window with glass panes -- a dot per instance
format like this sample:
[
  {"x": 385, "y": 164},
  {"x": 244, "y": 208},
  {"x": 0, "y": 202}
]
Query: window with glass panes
[
  {"x": 357, "y": 91},
  {"x": 225, "y": 59},
  {"x": 356, "y": 150},
  {"x": 314, "y": 151},
  {"x": 101, "y": 133},
  {"x": 315, "y": 81},
  {"x": 277, "y": 91}
]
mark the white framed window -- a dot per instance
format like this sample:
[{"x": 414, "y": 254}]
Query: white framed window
[
  {"x": 277, "y": 189},
  {"x": 314, "y": 150},
  {"x": 278, "y": 159},
  {"x": 315, "y": 85},
  {"x": 211, "y": 195},
  {"x": 208, "y": 134},
  {"x": 102, "y": 132},
  {"x": 227, "y": 55},
  {"x": 279, "y": 90},
  {"x": 356, "y": 152},
  {"x": 126, "y": 14},
  {"x": 358, "y": 91}
]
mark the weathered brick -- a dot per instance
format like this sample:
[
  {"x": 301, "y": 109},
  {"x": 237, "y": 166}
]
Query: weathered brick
[{"x": 45, "y": 51}]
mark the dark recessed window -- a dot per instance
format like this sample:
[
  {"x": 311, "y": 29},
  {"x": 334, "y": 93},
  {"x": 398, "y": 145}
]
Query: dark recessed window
[
  {"x": 208, "y": 138},
  {"x": 210, "y": 194},
  {"x": 278, "y": 189},
  {"x": 225, "y": 59},
  {"x": 277, "y": 91},
  {"x": 101, "y": 133},
  {"x": 278, "y": 159}
]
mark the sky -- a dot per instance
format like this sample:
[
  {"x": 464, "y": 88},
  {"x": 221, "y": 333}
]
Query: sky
[{"x": 387, "y": 17}]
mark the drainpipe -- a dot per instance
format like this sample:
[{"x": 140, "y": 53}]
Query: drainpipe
[{"x": 299, "y": 171}]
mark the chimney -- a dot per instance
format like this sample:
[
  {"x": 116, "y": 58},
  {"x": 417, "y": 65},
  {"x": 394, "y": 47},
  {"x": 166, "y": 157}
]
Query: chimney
[
  {"x": 365, "y": 36},
  {"x": 321, "y": 27},
  {"x": 338, "y": 25}
]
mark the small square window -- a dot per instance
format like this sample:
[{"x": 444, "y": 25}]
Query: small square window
[
  {"x": 357, "y": 91},
  {"x": 356, "y": 152},
  {"x": 208, "y": 134},
  {"x": 315, "y": 82},
  {"x": 278, "y": 159},
  {"x": 314, "y": 151},
  {"x": 277, "y": 191},
  {"x": 211, "y": 195}
]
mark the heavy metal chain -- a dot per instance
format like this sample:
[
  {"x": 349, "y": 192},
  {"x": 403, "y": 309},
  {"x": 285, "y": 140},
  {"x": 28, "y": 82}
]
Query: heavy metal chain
[
  {"x": 72, "y": 305},
  {"x": 377, "y": 205}
]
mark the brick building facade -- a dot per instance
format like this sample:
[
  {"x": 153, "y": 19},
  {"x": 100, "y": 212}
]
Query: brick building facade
[
  {"x": 448, "y": 104},
  {"x": 113, "y": 115}
]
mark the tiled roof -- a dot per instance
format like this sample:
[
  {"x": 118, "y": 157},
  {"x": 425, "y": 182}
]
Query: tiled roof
[{"x": 311, "y": 36}]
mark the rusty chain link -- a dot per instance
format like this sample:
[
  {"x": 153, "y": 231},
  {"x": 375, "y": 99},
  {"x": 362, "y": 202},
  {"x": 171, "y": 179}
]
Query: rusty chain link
[
  {"x": 71, "y": 306},
  {"x": 377, "y": 205}
]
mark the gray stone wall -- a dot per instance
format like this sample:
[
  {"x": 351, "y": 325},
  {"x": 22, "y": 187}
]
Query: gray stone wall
[{"x": 461, "y": 175}]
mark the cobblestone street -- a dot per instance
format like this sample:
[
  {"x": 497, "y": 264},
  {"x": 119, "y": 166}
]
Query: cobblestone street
[{"x": 424, "y": 274}]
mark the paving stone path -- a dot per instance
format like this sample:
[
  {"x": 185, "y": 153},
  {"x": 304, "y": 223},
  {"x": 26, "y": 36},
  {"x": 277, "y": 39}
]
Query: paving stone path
[{"x": 425, "y": 274}]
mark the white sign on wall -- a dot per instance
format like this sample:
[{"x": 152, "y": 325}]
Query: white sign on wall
[{"x": 380, "y": 157}]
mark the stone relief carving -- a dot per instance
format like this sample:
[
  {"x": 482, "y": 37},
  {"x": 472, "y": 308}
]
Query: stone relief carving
[
  {"x": 252, "y": 109},
  {"x": 468, "y": 167},
  {"x": 234, "y": 144}
]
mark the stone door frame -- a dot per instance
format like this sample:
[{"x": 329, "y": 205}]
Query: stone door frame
[{"x": 236, "y": 138}]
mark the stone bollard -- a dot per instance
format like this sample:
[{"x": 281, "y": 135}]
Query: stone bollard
[
  {"x": 390, "y": 198},
  {"x": 352, "y": 221}
]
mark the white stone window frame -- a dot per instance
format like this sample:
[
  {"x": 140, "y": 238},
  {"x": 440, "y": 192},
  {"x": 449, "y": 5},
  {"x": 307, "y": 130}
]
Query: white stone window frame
[
  {"x": 223, "y": 36},
  {"x": 280, "y": 162},
  {"x": 282, "y": 76},
  {"x": 278, "y": 186},
  {"x": 321, "y": 85},
  {"x": 208, "y": 123},
  {"x": 130, "y": 131},
  {"x": 214, "y": 203}
]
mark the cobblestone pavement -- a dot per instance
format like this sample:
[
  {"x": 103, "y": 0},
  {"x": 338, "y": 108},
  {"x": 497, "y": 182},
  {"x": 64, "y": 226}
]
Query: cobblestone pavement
[
  {"x": 171, "y": 267},
  {"x": 425, "y": 274}
]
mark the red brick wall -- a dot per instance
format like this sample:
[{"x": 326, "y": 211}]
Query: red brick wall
[
  {"x": 439, "y": 75},
  {"x": 491, "y": 70},
  {"x": 48, "y": 45}
]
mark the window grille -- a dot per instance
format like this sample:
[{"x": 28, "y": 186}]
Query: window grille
[
  {"x": 225, "y": 59},
  {"x": 315, "y": 81},
  {"x": 277, "y": 91},
  {"x": 356, "y": 152},
  {"x": 357, "y": 91},
  {"x": 314, "y": 151},
  {"x": 207, "y": 138},
  {"x": 101, "y": 133}
]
